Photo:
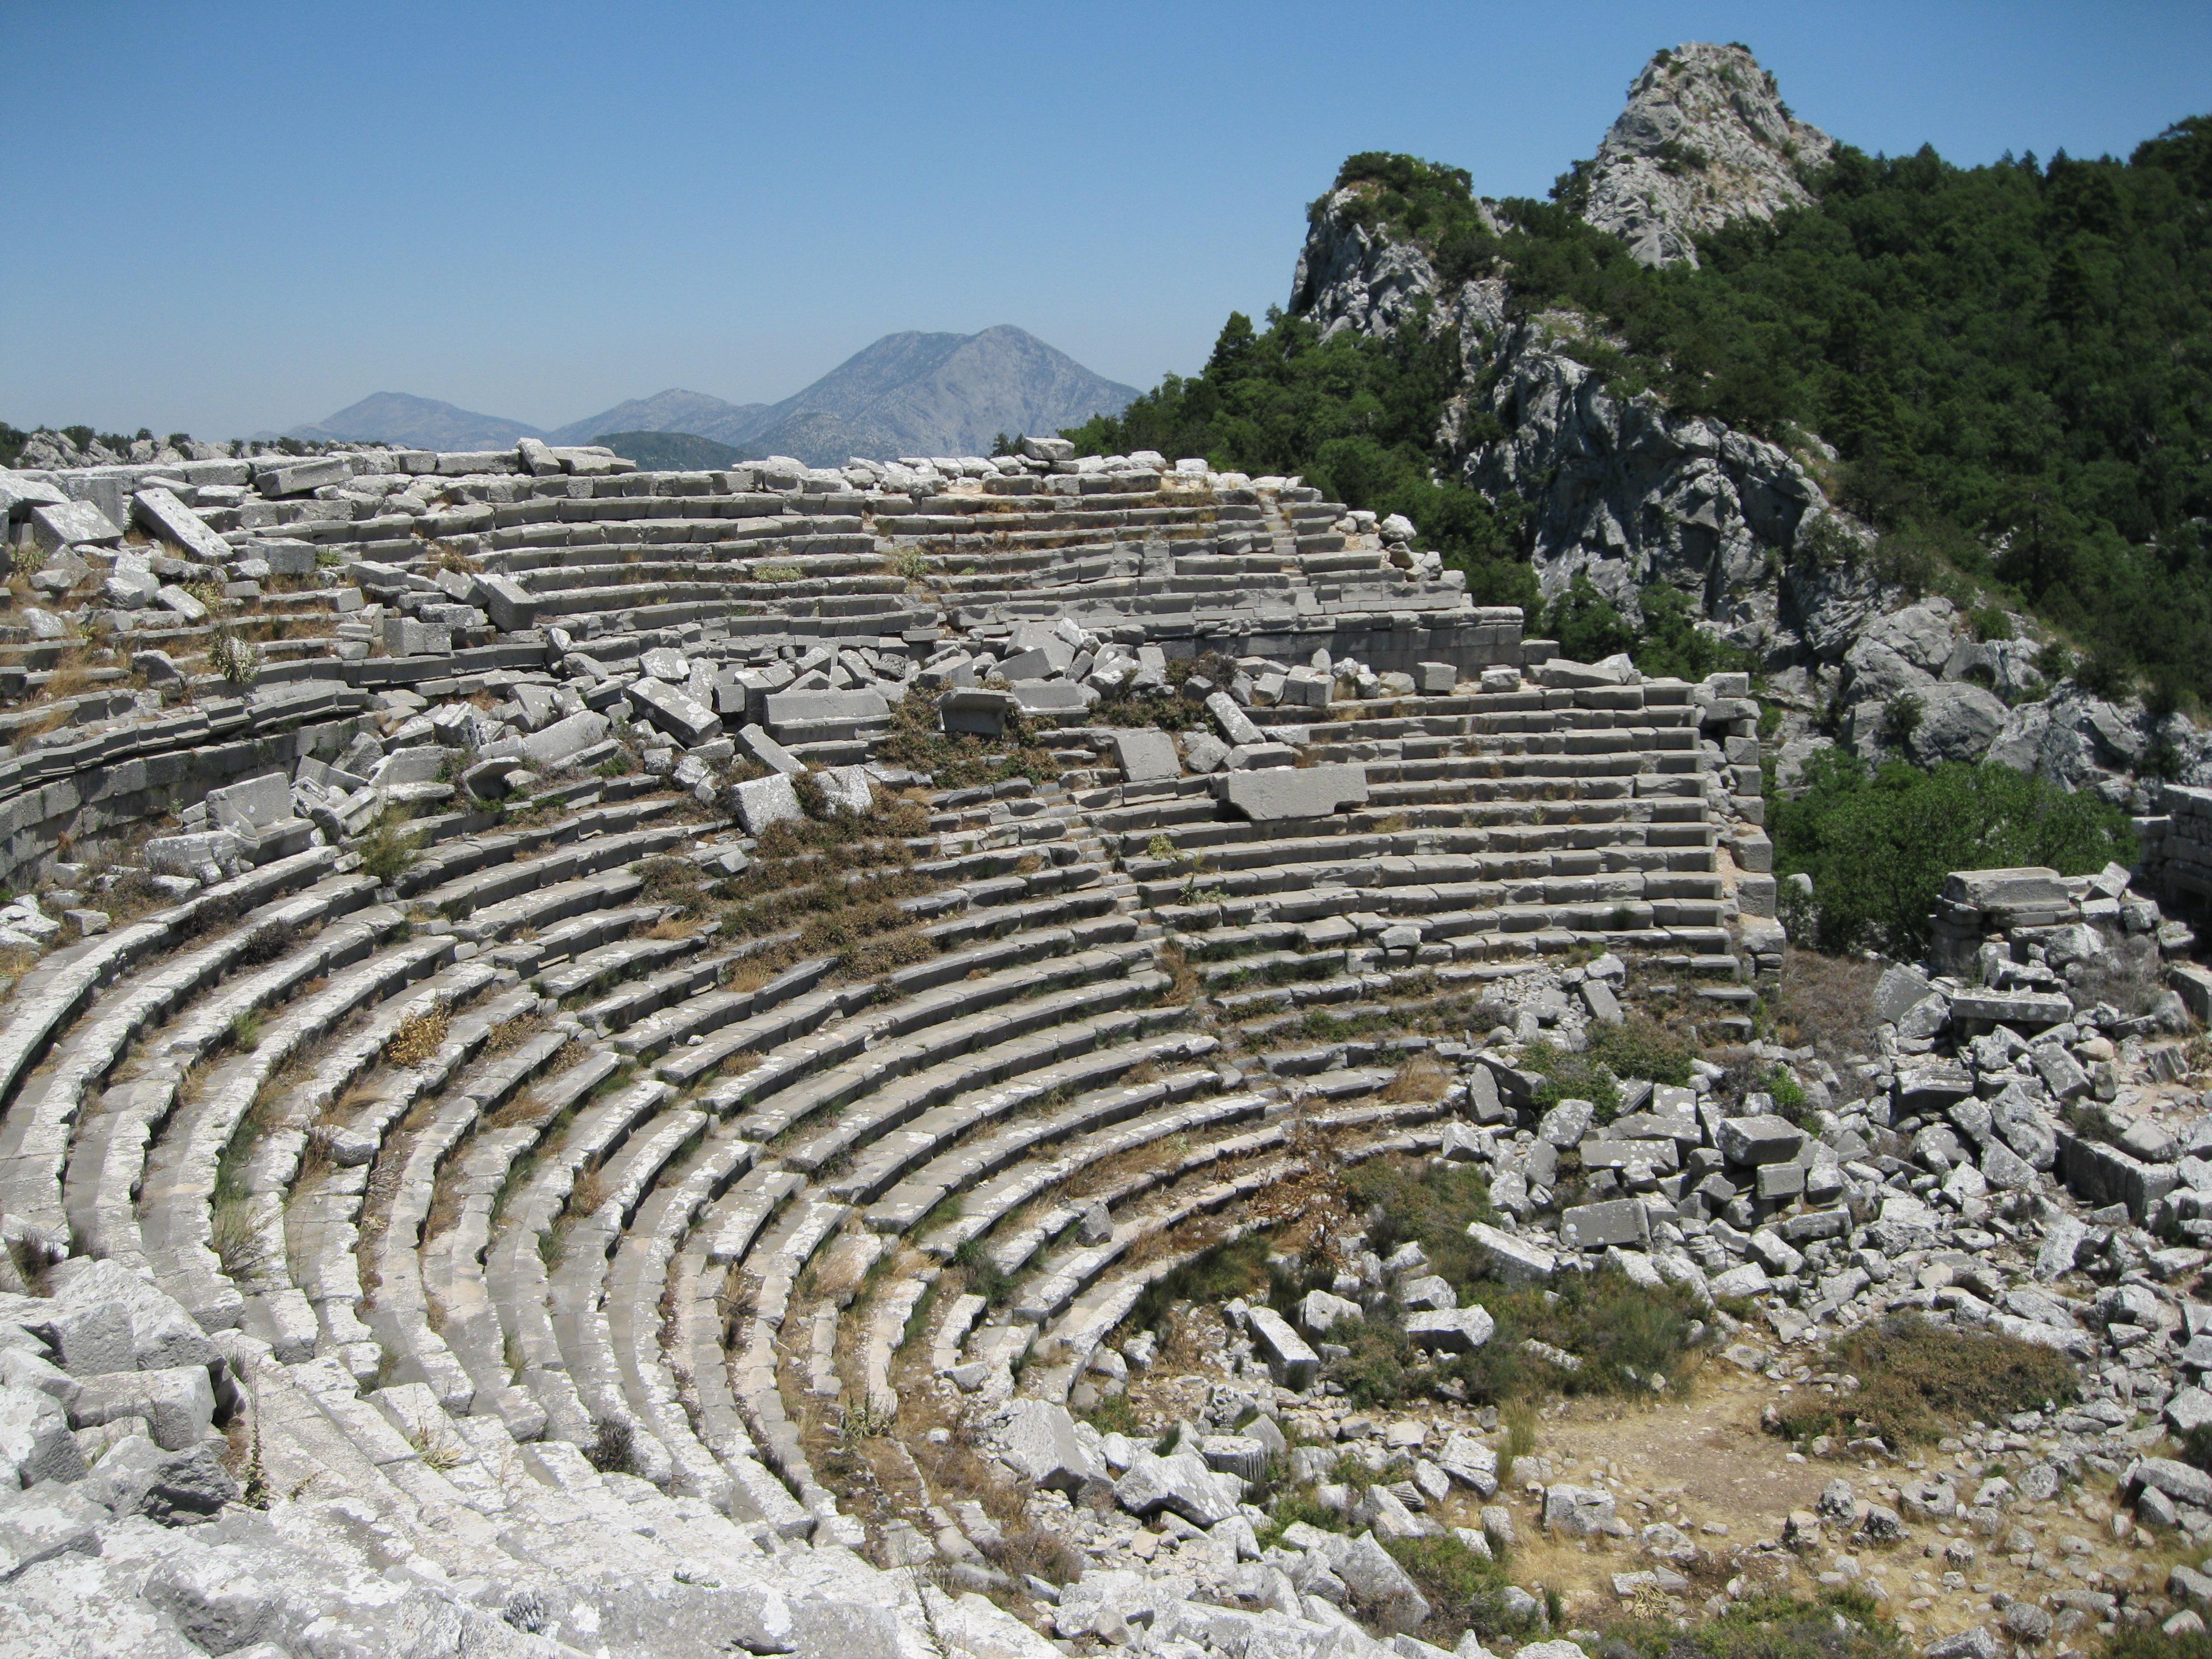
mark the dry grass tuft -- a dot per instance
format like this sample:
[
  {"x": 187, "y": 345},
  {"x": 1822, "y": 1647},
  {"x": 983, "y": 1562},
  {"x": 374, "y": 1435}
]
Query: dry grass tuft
[
  {"x": 418, "y": 1037},
  {"x": 1828, "y": 1002},
  {"x": 1421, "y": 1078}
]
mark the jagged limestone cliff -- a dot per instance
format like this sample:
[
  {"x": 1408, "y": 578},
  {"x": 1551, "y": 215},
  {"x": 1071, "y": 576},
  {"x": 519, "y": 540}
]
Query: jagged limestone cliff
[{"x": 1706, "y": 138}]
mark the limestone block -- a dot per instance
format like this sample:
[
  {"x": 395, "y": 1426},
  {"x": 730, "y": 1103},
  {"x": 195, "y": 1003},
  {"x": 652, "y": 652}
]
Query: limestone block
[
  {"x": 793, "y": 714},
  {"x": 1899, "y": 989},
  {"x": 299, "y": 477},
  {"x": 760, "y": 802},
  {"x": 1456, "y": 1330},
  {"x": 977, "y": 712},
  {"x": 129, "y": 590},
  {"x": 61, "y": 524},
  {"x": 1181, "y": 1482},
  {"x": 41, "y": 1525},
  {"x": 1053, "y": 698},
  {"x": 675, "y": 712},
  {"x": 1283, "y": 793},
  {"x": 1235, "y": 725},
  {"x": 1595, "y": 1227},
  {"x": 178, "y": 1401},
  {"x": 1764, "y": 1139},
  {"x": 90, "y": 1338},
  {"x": 1512, "y": 1258},
  {"x": 1320, "y": 1311},
  {"x": 1203, "y": 752},
  {"x": 511, "y": 606},
  {"x": 186, "y": 855},
  {"x": 2024, "y": 1011},
  {"x": 1287, "y": 1355},
  {"x": 1041, "y": 1447},
  {"x": 159, "y": 511},
  {"x": 2029, "y": 888},
  {"x": 35, "y": 1442},
  {"x": 845, "y": 789},
  {"x": 1435, "y": 679},
  {"x": 555, "y": 745},
  {"x": 251, "y": 803},
  {"x": 406, "y": 636},
  {"x": 1578, "y": 1511},
  {"x": 1146, "y": 754},
  {"x": 136, "y": 1476},
  {"x": 769, "y": 752}
]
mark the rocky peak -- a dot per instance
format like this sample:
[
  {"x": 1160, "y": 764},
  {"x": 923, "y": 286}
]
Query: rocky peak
[{"x": 1706, "y": 138}]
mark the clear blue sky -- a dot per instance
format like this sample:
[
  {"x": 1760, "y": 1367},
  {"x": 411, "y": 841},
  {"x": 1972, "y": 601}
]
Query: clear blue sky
[{"x": 219, "y": 218}]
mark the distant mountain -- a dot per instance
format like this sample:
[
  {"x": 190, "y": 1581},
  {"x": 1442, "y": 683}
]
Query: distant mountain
[
  {"x": 672, "y": 411},
  {"x": 397, "y": 417},
  {"x": 674, "y": 451},
  {"x": 936, "y": 394},
  {"x": 908, "y": 394}
]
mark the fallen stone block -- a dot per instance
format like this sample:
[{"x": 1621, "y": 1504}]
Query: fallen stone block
[
  {"x": 976, "y": 712},
  {"x": 179, "y": 1401},
  {"x": 511, "y": 606},
  {"x": 35, "y": 1442},
  {"x": 1577, "y": 1511},
  {"x": 760, "y": 802},
  {"x": 299, "y": 477},
  {"x": 252, "y": 802},
  {"x": 1235, "y": 725},
  {"x": 677, "y": 712},
  {"x": 1283, "y": 793},
  {"x": 1763, "y": 1138},
  {"x": 1288, "y": 1356},
  {"x": 1146, "y": 754},
  {"x": 1616, "y": 1221},
  {"x": 556, "y": 745},
  {"x": 770, "y": 753},
  {"x": 1041, "y": 1445},
  {"x": 63, "y": 524},
  {"x": 1512, "y": 1258},
  {"x": 1457, "y": 1330},
  {"x": 1181, "y": 1482}
]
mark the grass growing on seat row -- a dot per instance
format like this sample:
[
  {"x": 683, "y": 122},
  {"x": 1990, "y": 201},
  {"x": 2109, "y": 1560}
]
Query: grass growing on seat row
[{"x": 956, "y": 760}]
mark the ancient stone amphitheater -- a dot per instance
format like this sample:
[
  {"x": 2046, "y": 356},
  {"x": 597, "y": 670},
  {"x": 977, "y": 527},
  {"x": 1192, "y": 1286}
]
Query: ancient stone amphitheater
[{"x": 582, "y": 1043}]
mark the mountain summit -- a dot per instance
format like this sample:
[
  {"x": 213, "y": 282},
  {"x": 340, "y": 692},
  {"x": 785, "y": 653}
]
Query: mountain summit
[
  {"x": 933, "y": 394},
  {"x": 1706, "y": 138}
]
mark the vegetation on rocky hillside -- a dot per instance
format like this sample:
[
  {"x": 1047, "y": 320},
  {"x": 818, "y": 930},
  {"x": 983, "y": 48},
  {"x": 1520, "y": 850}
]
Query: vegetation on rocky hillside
[
  {"x": 1878, "y": 843},
  {"x": 2013, "y": 363}
]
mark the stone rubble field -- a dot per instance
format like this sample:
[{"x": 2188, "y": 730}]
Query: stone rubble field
[{"x": 615, "y": 1062}]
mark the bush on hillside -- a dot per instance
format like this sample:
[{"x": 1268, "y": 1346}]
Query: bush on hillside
[{"x": 1878, "y": 843}]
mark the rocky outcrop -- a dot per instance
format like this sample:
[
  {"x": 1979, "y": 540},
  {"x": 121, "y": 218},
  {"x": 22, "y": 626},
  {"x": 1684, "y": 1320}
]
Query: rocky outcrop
[
  {"x": 1622, "y": 492},
  {"x": 1706, "y": 138}
]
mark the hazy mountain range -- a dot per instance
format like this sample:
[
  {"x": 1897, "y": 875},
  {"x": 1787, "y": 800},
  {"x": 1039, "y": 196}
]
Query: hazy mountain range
[{"x": 908, "y": 394}]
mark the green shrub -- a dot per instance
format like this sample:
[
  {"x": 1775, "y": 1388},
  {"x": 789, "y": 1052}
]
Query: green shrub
[
  {"x": 1623, "y": 1335},
  {"x": 1832, "y": 1624},
  {"x": 2149, "y": 1642},
  {"x": 1916, "y": 1379},
  {"x": 1901, "y": 717},
  {"x": 386, "y": 849},
  {"x": 1411, "y": 1201},
  {"x": 1571, "y": 1076},
  {"x": 1989, "y": 623},
  {"x": 1878, "y": 843},
  {"x": 1640, "y": 1047},
  {"x": 1464, "y": 1591}
]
